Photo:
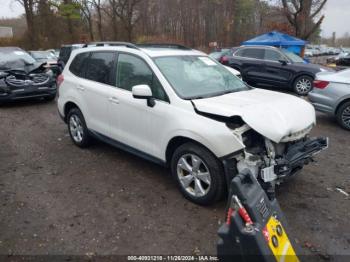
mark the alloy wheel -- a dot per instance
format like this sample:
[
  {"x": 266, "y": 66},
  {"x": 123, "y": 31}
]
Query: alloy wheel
[
  {"x": 76, "y": 128},
  {"x": 303, "y": 86},
  {"x": 194, "y": 175},
  {"x": 345, "y": 117}
]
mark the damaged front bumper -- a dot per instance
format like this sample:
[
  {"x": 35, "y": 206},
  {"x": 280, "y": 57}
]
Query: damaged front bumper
[
  {"x": 299, "y": 154},
  {"x": 296, "y": 155}
]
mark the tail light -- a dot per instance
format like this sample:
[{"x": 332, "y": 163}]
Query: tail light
[
  {"x": 321, "y": 84},
  {"x": 224, "y": 60},
  {"x": 60, "y": 80}
]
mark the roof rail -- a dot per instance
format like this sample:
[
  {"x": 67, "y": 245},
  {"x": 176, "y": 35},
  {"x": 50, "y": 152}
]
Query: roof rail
[
  {"x": 126, "y": 44},
  {"x": 164, "y": 45}
]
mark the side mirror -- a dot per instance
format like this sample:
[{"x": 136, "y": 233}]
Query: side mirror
[
  {"x": 143, "y": 92},
  {"x": 283, "y": 62}
]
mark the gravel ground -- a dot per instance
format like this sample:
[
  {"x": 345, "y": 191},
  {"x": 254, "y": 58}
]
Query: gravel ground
[{"x": 60, "y": 200}]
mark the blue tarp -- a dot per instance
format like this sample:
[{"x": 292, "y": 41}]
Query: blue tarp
[{"x": 275, "y": 38}]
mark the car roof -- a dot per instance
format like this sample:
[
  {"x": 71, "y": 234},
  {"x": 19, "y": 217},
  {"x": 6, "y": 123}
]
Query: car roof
[
  {"x": 260, "y": 46},
  {"x": 10, "y": 49},
  {"x": 149, "y": 51}
]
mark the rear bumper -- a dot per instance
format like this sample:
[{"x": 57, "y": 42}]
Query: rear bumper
[{"x": 322, "y": 102}]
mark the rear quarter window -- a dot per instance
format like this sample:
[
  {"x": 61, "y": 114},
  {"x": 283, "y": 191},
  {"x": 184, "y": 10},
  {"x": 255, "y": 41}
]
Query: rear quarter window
[{"x": 77, "y": 66}]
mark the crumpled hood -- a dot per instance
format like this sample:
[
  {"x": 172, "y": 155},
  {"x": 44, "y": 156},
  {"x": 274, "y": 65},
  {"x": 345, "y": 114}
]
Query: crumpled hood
[
  {"x": 272, "y": 114},
  {"x": 20, "y": 65}
]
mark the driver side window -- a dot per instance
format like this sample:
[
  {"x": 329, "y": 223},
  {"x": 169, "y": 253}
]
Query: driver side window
[
  {"x": 273, "y": 55},
  {"x": 132, "y": 71}
]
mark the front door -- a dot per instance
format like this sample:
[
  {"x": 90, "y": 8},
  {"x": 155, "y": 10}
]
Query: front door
[
  {"x": 133, "y": 122},
  {"x": 276, "y": 73}
]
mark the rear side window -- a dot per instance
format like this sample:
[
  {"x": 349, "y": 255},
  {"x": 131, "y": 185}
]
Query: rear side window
[
  {"x": 77, "y": 66},
  {"x": 251, "y": 53},
  {"x": 99, "y": 67}
]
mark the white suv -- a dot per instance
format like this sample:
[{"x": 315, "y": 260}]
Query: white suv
[{"x": 178, "y": 107}]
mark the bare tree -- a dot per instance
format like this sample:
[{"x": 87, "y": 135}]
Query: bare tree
[
  {"x": 98, "y": 7},
  {"x": 128, "y": 15},
  {"x": 301, "y": 15},
  {"x": 29, "y": 11},
  {"x": 86, "y": 9}
]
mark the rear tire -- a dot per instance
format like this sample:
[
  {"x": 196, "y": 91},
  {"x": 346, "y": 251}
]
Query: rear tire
[
  {"x": 77, "y": 129},
  {"x": 303, "y": 85},
  {"x": 199, "y": 174},
  {"x": 343, "y": 116}
]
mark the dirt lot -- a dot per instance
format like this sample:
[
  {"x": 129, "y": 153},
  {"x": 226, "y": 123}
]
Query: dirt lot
[{"x": 58, "y": 199}]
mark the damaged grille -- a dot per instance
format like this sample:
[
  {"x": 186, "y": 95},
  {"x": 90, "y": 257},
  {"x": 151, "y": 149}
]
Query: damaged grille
[{"x": 31, "y": 80}]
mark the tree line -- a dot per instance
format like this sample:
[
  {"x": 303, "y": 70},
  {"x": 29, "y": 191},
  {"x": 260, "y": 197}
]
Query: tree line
[{"x": 196, "y": 23}]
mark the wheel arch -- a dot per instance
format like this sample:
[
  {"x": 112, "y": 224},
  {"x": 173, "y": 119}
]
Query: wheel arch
[
  {"x": 177, "y": 141},
  {"x": 346, "y": 100},
  {"x": 302, "y": 74},
  {"x": 69, "y": 106}
]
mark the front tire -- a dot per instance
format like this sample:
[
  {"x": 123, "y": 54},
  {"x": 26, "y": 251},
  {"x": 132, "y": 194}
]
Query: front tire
[
  {"x": 78, "y": 131},
  {"x": 303, "y": 85},
  {"x": 343, "y": 116},
  {"x": 199, "y": 174}
]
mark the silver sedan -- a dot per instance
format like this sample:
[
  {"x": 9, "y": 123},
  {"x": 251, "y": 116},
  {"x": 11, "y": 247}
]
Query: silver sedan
[{"x": 331, "y": 95}]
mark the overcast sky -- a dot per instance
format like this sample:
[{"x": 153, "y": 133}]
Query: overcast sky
[{"x": 337, "y": 15}]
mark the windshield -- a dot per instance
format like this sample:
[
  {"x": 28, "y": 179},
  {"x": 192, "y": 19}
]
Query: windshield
[
  {"x": 293, "y": 57},
  {"x": 198, "y": 76},
  {"x": 9, "y": 56}
]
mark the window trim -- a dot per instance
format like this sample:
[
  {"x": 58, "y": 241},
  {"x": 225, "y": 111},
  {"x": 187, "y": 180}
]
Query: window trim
[
  {"x": 249, "y": 58},
  {"x": 167, "y": 100}
]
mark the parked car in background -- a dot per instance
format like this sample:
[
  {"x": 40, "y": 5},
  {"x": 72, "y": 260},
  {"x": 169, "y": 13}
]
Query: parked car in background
[
  {"x": 336, "y": 58},
  {"x": 66, "y": 51},
  {"x": 54, "y": 52},
  {"x": 344, "y": 60},
  {"x": 47, "y": 57},
  {"x": 222, "y": 55},
  {"x": 21, "y": 76},
  {"x": 180, "y": 108},
  {"x": 266, "y": 66},
  {"x": 309, "y": 52},
  {"x": 44, "y": 56},
  {"x": 331, "y": 95}
]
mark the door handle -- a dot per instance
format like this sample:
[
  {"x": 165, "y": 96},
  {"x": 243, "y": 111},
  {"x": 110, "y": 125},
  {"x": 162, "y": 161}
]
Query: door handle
[{"x": 113, "y": 100}]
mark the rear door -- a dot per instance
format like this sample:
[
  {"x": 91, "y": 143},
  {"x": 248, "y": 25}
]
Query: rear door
[
  {"x": 97, "y": 88},
  {"x": 276, "y": 73},
  {"x": 252, "y": 64}
]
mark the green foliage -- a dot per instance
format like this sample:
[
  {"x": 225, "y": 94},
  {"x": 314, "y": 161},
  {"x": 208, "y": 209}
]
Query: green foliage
[{"x": 68, "y": 9}]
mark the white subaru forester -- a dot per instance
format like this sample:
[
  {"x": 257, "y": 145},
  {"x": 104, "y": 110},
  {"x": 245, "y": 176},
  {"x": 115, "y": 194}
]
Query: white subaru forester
[{"x": 178, "y": 107}]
